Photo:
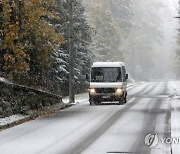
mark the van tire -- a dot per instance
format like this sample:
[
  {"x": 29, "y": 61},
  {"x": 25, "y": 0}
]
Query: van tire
[
  {"x": 121, "y": 101},
  {"x": 93, "y": 102},
  {"x": 125, "y": 98}
]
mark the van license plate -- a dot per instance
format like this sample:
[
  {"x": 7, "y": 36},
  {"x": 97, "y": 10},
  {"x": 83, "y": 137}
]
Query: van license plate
[{"x": 106, "y": 97}]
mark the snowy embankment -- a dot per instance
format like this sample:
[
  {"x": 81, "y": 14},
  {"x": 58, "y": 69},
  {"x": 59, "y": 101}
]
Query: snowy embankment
[
  {"x": 175, "y": 117},
  {"x": 16, "y": 99},
  {"x": 19, "y": 99}
]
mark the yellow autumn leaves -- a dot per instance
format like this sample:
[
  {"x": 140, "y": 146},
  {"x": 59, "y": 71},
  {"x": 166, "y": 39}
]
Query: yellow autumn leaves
[{"x": 26, "y": 29}]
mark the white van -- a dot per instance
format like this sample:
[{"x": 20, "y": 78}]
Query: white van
[{"x": 108, "y": 82}]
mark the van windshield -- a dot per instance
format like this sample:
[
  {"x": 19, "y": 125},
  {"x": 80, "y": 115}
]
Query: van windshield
[{"x": 106, "y": 74}]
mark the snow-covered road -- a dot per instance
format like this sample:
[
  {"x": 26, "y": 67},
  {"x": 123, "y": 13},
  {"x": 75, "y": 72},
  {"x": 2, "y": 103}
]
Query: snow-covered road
[{"x": 151, "y": 108}]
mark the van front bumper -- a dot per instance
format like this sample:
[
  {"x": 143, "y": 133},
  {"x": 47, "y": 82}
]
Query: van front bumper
[{"x": 105, "y": 97}]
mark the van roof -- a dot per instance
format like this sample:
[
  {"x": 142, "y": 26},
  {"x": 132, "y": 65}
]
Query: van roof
[{"x": 108, "y": 64}]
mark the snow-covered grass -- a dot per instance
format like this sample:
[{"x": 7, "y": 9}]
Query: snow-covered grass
[{"x": 10, "y": 119}]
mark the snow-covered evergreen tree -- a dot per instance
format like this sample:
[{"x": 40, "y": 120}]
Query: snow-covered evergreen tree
[{"x": 81, "y": 46}]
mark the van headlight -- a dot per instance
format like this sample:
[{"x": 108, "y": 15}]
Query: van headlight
[
  {"x": 119, "y": 91},
  {"x": 92, "y": 91}
]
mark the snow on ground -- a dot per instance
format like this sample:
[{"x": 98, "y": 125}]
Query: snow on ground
[
  {"x": 10, "y": 119},
  {"x": 176, "y": 87},
  {"x": 92, "y": 129},
  {"x": 175, "y": 117}
]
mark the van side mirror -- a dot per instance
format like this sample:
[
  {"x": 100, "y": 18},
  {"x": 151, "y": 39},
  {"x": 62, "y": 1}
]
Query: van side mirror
[
  {"x": 126, "y": 76},
  {"x": 87, "y": 77}
]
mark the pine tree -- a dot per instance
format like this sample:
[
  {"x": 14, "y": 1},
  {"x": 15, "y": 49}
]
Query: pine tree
[{"x": 82, "y": 40}]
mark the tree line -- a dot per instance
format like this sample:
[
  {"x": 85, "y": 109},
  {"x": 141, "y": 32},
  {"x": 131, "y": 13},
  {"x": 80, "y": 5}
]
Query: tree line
[
  {"x": 34, "y": 35},
  {"x": 34, "y": 43}
]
